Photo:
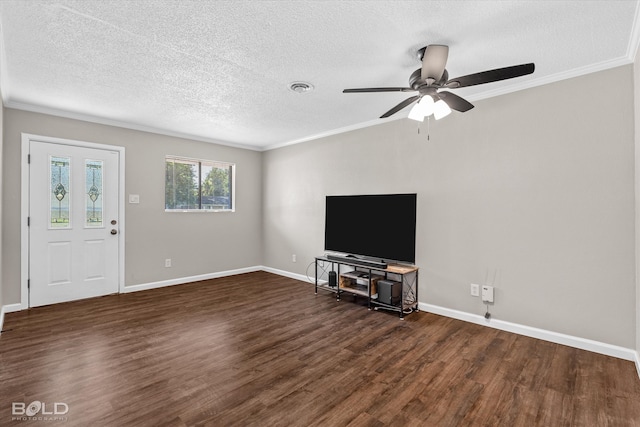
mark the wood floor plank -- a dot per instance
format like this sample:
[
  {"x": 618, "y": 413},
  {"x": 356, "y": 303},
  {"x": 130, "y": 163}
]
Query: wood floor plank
[{"x": 262, "y": 350}]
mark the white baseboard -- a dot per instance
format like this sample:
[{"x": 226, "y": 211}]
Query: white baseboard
[
  {"x": 9, "y": 308},
  {"x": 555, "y": 337},
  {"x": 288, "y": 274},
  {"x": 182, "y": 280},
  {"x": 577, "y": 342}
]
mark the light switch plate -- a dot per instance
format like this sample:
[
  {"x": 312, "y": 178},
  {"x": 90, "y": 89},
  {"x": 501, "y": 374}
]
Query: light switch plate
[{"x": 475, "y": 290}]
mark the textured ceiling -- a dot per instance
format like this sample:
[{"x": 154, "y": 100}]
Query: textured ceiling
[{"x": 220, "y": 70}]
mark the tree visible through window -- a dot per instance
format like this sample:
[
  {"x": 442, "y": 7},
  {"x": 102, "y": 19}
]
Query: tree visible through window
[{"x": 198, "y": 185}]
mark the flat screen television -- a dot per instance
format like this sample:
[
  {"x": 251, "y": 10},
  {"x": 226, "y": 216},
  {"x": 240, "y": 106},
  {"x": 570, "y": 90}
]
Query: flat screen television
[{"x": 379, "y": 226}]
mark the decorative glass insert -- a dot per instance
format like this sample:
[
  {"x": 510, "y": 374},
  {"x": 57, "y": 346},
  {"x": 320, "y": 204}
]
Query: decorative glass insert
[
  {"x": 93, "y": 193},
  {"x": 60, "y": 192}
]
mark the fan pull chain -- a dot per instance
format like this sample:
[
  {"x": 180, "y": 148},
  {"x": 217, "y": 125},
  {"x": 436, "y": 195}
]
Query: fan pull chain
[{"x": 428, "y": 128}]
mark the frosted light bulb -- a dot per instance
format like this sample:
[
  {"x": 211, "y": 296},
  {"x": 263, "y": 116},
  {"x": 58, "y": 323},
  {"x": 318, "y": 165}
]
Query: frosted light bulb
[{"x": 441, "y": 109}]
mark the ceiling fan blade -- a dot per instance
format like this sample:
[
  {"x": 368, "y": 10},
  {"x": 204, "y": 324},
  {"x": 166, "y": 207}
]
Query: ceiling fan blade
[
  {"x": 379, "y": 89},
  {"x": 434, "y": 60},
  {"x": 455, "y": 102},
  {"x": 400, "y": 106},
  {"x": 490, "y": 76}
]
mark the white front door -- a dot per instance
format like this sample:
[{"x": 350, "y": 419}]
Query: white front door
[{"x": 73, "y": 222}]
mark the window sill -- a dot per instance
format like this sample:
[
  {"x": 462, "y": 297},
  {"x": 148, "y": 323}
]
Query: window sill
[{"x": 200, "y": 210}]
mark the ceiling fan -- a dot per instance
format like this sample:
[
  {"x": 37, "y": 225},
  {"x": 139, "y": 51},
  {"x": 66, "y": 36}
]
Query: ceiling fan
[{"x": 430, "y": 80}]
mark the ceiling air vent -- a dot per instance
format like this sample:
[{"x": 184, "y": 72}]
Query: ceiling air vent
[{"x": 301, "y": 87}]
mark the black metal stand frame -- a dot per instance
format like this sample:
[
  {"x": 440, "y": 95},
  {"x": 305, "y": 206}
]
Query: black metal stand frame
[{"x": 408, "y": 281}]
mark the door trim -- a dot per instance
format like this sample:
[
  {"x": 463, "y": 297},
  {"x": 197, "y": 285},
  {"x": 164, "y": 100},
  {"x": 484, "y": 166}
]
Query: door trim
[{"x": 24, "y": 208}]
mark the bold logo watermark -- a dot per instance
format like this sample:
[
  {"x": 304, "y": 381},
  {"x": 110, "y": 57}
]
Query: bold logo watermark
[{"x": 39, "y": 411}]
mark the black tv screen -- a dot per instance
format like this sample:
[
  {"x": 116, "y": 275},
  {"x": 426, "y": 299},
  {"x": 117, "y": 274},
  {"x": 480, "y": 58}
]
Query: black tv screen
[{"x": 380, "y": 226}]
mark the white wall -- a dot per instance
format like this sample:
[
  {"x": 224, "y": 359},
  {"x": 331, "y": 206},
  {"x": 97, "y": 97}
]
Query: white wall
[
  {"x": 1, "y": 210},
  {"x": 197, "y": 243},
  {"x": 535, "y": 187}
]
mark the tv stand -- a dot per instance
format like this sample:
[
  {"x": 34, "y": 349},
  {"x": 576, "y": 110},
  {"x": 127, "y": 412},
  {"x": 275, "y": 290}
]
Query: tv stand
[
  {"x": 371, "y": 281},
  {"x": 351, "y": 259}
]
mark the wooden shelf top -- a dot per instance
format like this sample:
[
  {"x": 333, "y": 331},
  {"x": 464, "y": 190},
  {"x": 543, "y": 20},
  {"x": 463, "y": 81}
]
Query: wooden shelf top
[
  {"x": 391, "y": 268},
  {"x": 401, "y": 269}
]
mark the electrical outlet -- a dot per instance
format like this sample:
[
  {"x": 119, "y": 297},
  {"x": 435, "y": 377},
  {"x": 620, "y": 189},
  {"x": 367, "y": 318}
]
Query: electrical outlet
[
  {"x": 487, "y": 293},
  {"x": 475, "y": 290},
  {"x": 167, "y": 262},
  {"x": 293, "y": 257}
]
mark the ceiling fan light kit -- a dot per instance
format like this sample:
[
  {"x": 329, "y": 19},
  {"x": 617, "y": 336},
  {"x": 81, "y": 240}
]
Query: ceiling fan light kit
[
  {"x": 422, "y": 109},
  {"x": 441, "y": 109},
  {"x": 433, "y": 76},
  {"x": 426, "y": 107}
]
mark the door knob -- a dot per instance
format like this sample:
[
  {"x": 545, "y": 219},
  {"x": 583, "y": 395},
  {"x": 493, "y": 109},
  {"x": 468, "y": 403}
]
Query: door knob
[{"x": 114, "y": 231}]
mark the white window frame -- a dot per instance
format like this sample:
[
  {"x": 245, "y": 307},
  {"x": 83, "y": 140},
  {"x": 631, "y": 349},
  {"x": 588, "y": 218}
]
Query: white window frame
[{"x": 204, "y": 162}]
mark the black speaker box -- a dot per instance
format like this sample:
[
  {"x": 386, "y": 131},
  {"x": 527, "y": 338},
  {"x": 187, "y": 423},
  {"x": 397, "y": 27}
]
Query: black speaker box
[
  {"x": 333, "y": 278},
  {"x": 389, "y": 292}
]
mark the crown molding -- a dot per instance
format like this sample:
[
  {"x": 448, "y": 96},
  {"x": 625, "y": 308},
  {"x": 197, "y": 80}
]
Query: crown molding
[
  {"x": 121, "y": 124},
  {"x": 554, "y": 78},
  {"x": 632, "y": 50},
  {"x": 577, "y": 72},
  {"x": 4, "y": 83},
  {"x": 634, "y": 39},
  {"x": 337, "y": 131}
]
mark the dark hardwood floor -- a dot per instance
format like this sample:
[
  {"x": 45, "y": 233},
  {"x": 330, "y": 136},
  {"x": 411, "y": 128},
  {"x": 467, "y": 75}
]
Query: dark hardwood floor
[{"x": 262, "y": 350}]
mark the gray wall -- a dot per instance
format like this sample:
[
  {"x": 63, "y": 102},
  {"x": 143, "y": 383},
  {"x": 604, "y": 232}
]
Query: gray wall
[
  {"x": 636, "y": 75},
  {"x": 197, "y": 243},
  {"x": 534, "y": 188}
]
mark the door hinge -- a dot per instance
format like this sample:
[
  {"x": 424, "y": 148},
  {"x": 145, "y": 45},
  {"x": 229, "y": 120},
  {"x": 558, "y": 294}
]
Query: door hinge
[
  {"x": 28, "y": 283},
  {"x": 28, "y": 221},
  {"x": 29, "y": 158}
]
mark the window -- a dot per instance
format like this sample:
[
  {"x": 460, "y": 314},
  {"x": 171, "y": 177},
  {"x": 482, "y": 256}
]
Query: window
[{"x": 198, "y": 185}]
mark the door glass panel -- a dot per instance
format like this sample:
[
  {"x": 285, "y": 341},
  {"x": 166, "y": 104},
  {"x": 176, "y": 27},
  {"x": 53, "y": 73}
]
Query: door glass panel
[
  {"x": 93, "y": 193},
  {"x": 60, "y": 192}
]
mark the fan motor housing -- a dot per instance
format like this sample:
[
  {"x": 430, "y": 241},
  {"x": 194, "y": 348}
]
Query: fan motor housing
[{"x": 416, "y": 82}]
